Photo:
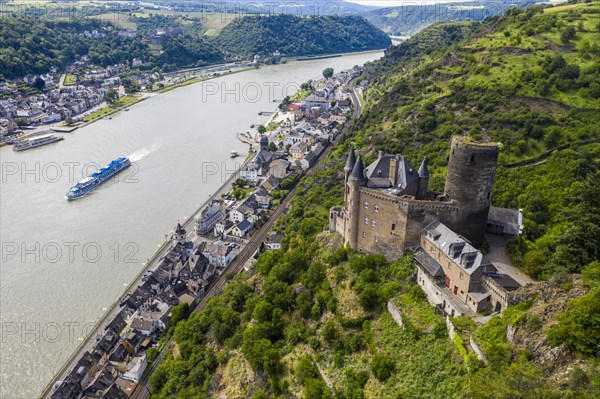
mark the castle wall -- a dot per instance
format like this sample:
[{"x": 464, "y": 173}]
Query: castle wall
[
  {"x": 391, "y": 225},
  {"x": 469, "y": 182}
]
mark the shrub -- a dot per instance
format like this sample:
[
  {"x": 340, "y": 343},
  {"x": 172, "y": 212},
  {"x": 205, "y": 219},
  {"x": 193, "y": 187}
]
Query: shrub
[{"x": 382, "y": 367}]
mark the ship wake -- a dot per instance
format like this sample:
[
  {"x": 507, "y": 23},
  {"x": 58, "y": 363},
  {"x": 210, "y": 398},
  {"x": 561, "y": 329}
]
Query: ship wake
[{"x": 143, "y": 152}]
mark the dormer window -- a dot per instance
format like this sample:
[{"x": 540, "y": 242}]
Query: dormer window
[{"x": 379, "y": 172}]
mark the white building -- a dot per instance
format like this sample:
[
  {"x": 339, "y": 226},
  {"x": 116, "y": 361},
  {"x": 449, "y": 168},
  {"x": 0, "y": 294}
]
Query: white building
[
  {"x": 208, "y": 218},
  {"x": 218, "y": 253}
]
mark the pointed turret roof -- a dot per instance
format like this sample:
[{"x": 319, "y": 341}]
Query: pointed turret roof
[
  {"x": 423, "y": 171},
  {"x": 351, "y": 161},
  {"x": 358, "y": 170},
  {"x": 180, "y": 229}
]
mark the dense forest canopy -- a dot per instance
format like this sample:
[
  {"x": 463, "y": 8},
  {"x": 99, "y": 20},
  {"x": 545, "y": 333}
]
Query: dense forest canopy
[
  {"x": 31, "y": 45},
  {"x": 292, "y": 35}
]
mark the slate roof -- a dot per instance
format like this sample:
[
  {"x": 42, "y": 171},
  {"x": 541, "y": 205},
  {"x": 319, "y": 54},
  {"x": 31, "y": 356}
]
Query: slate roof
[
  {"x": 428, "y": 263},
  {"x": 456, "y": 247},
  {"x": 244, "y": 225},
  {"x": 378, "y": 173},
  {"x": 510, "y": 219},
  {"x": 358, "y": 170},
  {"x": 350, "y": 161}
]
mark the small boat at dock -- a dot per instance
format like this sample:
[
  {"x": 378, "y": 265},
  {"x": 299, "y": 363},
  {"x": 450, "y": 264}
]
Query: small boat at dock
[{"x": 234, "y": 154}]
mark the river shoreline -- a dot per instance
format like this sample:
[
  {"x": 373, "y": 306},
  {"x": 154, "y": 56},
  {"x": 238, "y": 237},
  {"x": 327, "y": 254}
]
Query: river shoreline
[{"x": 72, "y": 128}]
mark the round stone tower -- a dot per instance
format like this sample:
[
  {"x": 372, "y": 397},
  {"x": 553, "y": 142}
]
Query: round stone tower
[{"x": 470, "y": 180}]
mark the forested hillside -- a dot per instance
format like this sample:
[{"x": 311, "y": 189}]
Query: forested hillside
[
  {"x": 33, "y": 45},
  {"x": 292, "y": 35},
  {"x": 310, "y": 320}
]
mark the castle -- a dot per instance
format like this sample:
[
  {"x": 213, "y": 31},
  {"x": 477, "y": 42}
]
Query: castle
[
  {"x": 388, "y": 203},
  {"x": 389, "y": 209}
]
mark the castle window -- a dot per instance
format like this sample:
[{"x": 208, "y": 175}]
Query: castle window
[
  {"x": 364, "y": 235},
  {"x": 373, "y": 223},
  {"x": 366, "y": 205},
  {"x": 366, "y": 220},
  {"x": 472, "y": 158},
  {"x": 461, "y": 275},
  {"x": 376, "y": 238},
  {"x": 393, "y": 226},
  {"x": 376, "y": 208},
  {"x": 488, "y": 194}
]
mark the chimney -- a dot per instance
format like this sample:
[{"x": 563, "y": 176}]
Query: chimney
[{"x": 393, "y": 170}]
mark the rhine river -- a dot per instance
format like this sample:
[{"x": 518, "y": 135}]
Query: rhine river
[{"x": 64, "y": 263}]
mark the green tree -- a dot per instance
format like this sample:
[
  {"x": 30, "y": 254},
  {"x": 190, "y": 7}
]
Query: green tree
[
  {"x": 261, "y": 129},
  {"x": 111, "y": 96},
  {"x": 21, "y": 122},
  {"x": 568, "y": 34},
  {"x": 39, "y": 83},
  {"x": 327, "y": 73},
  {"x": 579, "y": 326}
]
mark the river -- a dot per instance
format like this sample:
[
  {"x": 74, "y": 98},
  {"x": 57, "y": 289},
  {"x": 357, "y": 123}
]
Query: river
[{"x": 64, "y": 263}]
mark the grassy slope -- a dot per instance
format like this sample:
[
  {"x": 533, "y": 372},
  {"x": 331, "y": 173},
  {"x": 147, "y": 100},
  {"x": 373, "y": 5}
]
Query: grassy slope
[{"x": 424, "y": 92}]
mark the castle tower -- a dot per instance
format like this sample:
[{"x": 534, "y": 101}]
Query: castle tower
[
  {"x": 355, "y": 181},
  {"x": 423, "y": 180},
  {"x": 349, "y": 164},
  {"x": 470, "y": 179}
]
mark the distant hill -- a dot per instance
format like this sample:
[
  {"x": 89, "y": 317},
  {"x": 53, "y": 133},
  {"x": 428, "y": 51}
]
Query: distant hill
[
  {"x": 293, "y": 36},
  {"x": 410, "y": 18}
]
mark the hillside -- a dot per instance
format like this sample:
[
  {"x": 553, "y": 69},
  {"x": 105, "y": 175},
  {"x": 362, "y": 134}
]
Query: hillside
[
  {"x": 310, "y": 320},
  {"x": 292, "y": 35},
  {"x": 410, "y": 18},
  {"x": 34, "y": 45}
]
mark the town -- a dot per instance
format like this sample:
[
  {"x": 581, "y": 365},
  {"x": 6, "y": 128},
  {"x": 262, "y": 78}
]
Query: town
[
  {"x": 64, "y": 101},
  {"x": 114, "y": 360}
]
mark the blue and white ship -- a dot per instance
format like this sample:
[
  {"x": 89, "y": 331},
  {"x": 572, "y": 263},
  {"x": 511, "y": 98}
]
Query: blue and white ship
[{"x": 94, "y": 180}]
